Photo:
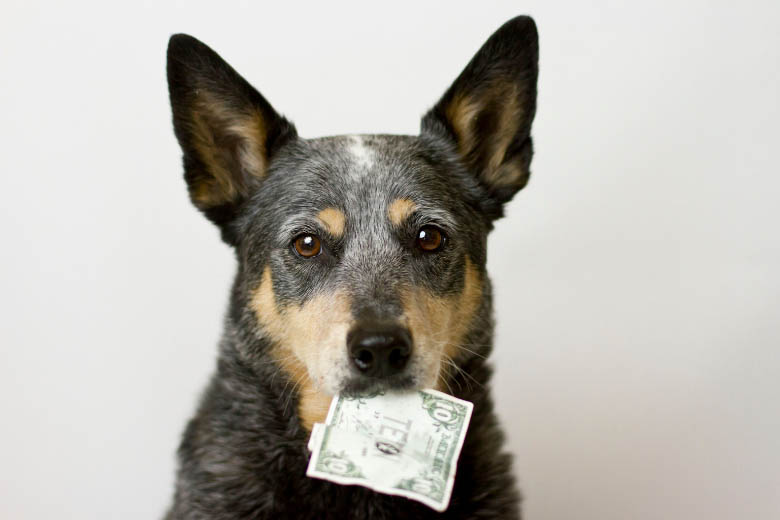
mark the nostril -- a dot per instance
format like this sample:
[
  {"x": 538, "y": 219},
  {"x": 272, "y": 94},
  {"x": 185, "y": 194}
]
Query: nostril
[
  {"x": 364, "y": 359},
  {"x": 398, "y": 357}
]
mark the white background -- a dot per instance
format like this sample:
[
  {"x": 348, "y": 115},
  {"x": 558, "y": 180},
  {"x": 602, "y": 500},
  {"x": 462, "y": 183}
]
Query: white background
[{"x": 637, "y": 284}]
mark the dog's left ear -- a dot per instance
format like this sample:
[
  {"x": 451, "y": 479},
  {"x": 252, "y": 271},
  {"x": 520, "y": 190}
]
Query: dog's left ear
[
  {"x": 488, "y": 110},
  {"x": 227, "y": 130}
]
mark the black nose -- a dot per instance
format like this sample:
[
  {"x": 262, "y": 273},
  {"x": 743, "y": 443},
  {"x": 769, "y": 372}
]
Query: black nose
[{"x": 379, "y": 350}]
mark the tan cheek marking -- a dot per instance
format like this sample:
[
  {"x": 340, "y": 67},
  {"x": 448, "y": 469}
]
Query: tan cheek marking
[
  {"x": 313, "y": 406},
  {"x": 399, "y": 210},
  {"x": 465, "y": 308},
  {"x": 334, "y": 221},
  {"x": 442, "y": 322},
  {"x": 297, "y": 333}
]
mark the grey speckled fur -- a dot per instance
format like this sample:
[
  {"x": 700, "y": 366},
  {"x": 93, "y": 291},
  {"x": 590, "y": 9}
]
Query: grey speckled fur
[{"x": 244, "y": 455}]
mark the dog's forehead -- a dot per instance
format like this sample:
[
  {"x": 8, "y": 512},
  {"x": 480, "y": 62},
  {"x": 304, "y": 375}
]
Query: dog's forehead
[
  {"x": 352, "y": 162},
  {"x": 366, "y": 177}
]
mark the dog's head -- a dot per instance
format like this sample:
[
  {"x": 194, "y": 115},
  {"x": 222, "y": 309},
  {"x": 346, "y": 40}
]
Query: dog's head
[{"x": 361, "y": 258}]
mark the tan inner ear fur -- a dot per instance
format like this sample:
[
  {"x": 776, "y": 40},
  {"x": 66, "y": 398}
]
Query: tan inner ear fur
[
  {"x": 299, "y": 335},
  {"x": 334, "y": 221},
  {"x": 463, "y": 112},
  {"x": 439, "y": 324},
  {"x": 212, "y": 122}
]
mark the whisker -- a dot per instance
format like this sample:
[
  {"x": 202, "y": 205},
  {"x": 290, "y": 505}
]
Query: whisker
[
  {"x": 450, "y": 363},
  {"x": 290, "y": 394},
  {"x": 444, "y": 380},
  {"x": 461, "y": 347}
]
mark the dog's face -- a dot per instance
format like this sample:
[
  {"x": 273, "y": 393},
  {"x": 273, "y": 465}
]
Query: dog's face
[
  {"x": 361, "y": 258},
  {"x": 367, "y": 260}
]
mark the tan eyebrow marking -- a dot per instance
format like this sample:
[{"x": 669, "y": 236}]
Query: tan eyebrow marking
[
  {"x": 399, "y": 210},
  {"x": 334, "y": 221}
]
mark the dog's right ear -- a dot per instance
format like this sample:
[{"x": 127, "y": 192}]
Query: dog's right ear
[
  {"x": 227, "y": 130},
  {"x": 487, "y": 112}
]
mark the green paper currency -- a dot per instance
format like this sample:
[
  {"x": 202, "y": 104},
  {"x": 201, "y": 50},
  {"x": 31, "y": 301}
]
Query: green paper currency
[{"x": 404, "y": 444}]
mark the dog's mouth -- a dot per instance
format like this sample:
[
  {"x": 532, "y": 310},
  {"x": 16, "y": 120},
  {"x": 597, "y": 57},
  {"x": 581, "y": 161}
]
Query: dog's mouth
[{"x": 361, "y": 385}]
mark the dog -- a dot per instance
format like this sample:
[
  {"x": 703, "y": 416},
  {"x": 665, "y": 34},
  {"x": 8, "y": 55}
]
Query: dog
[{"x": 361, "y": 268}]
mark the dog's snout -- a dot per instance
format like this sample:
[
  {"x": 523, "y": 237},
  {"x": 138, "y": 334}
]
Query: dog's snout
[{"x": 379, "y": 350}]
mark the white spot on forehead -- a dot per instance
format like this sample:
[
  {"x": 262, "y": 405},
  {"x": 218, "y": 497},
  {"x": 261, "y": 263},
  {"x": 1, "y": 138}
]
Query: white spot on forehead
[{"x": 364, "y": 157}]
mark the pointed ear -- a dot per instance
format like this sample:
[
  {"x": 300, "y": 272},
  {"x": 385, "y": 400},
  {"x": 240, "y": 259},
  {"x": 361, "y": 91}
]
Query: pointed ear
[
  {"x": 227, "y": 130},
  {"x": 488, "y": 110}
]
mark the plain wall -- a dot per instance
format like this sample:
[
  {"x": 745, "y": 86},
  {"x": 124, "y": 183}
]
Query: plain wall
[{"x": 636, "y": 278}]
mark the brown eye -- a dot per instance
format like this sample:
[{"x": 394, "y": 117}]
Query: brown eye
[
  {"x": 307, "y": 245},
  {"x": 430, "y": 239}
]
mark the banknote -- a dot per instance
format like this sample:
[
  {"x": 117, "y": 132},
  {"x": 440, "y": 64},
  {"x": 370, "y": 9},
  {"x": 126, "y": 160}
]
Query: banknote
[{"x": 404, "y": 444}]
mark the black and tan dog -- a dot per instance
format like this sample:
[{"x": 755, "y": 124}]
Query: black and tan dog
[{"x": 361, "y": 266}]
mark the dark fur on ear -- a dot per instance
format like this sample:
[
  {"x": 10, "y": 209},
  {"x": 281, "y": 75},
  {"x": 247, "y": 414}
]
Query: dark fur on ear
[
  {"x": 227, "y": 130},
  {"x": 488, "y": 110}
]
